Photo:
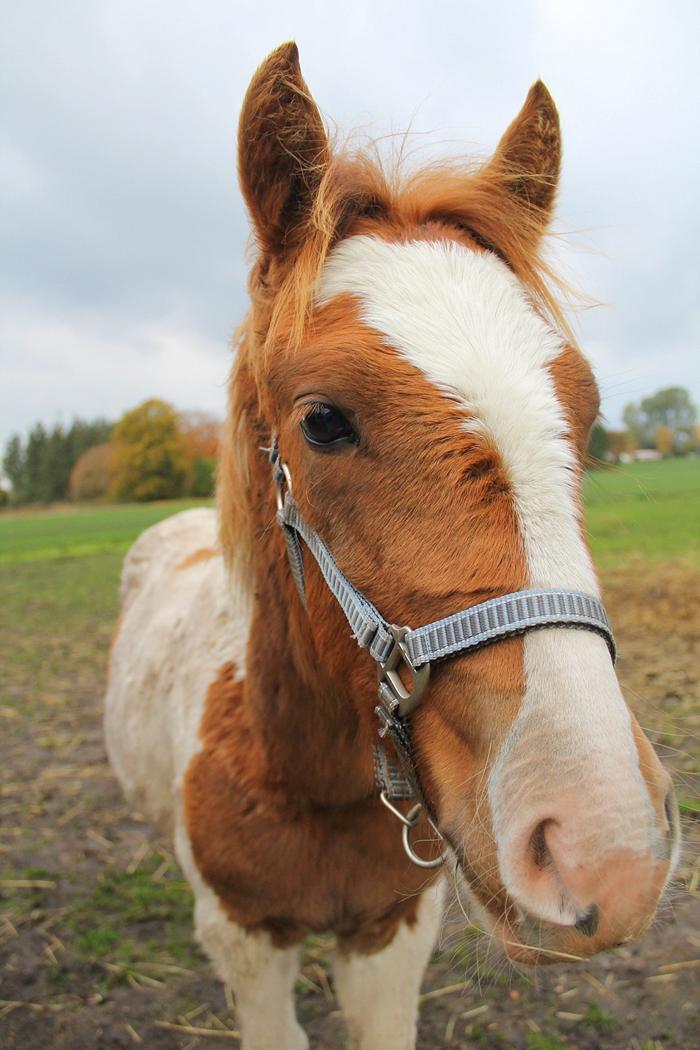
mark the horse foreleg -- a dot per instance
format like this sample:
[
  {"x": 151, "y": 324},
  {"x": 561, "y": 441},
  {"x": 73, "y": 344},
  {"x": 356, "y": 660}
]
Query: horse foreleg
[
  {"x": 378, "y": 993},
  {"x": 261, "y": 976}
]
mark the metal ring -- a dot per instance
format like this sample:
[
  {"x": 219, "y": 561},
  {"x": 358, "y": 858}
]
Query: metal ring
[
  {"x": 409, "y": 820},
  {"x": 419, "y": 861}
]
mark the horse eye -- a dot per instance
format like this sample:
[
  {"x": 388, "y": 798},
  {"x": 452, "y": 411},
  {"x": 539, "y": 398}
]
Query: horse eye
[{"x": 326, "y": 428}]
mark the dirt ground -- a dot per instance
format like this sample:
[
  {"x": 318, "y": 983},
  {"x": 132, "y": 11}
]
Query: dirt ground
[{"x": 95, "y": 943}]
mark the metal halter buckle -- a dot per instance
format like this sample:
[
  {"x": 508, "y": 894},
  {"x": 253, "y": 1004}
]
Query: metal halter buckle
[
  {"x": 409, "y": 821},
  {"x": 403, "y": 700},
  {"x": 283, "y": 480}
]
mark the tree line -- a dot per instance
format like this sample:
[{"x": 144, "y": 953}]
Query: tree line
[{"x": 152, "y": 452}]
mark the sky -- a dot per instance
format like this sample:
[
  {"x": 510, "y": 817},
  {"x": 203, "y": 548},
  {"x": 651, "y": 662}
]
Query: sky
[{"x": 123, "y": 234}]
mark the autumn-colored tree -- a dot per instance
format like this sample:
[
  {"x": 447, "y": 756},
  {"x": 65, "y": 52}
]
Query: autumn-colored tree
[
  {"x": 621, "y": 442},
  {"x": 202, "y": 433},
  {"x": 663, "y": 440},
  {"x": 150, "y": 458},
  {"x": 91, "y": 476}
]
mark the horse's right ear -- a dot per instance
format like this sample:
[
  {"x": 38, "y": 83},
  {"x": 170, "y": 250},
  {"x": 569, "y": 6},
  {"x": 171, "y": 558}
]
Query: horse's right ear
[{"x": 283, "y": 151}]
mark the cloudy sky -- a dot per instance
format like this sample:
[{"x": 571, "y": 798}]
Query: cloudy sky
[{"x": 122, "y": 232}]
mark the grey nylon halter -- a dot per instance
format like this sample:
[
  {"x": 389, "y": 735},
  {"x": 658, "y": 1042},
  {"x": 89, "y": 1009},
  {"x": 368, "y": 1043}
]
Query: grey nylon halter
[{"x": 393, "y": 647}]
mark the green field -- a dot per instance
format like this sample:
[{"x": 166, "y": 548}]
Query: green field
[
  {"x": 650, "y": 510},
  {"x": 75, "y": 532}
]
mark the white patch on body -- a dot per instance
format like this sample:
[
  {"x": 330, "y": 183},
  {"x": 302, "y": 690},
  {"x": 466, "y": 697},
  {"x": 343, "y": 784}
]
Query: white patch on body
[
  {"x": 178, "y": 627},
  {"x": 464, "y": 320}
]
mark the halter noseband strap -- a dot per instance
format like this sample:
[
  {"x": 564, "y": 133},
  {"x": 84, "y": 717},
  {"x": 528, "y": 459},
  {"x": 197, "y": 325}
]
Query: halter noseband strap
[{"x": 414, "y": 650}]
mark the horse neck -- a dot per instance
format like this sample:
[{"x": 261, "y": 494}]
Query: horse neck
[{"x": 317, "y": 739}]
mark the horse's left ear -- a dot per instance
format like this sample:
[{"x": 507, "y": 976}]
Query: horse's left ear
[
  {"x": 283, "y": 151},
  {"x": 527, "y": 160}
]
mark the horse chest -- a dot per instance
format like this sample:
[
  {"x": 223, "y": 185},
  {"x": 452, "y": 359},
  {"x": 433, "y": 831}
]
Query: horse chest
[{"x": 291, "y": 869}]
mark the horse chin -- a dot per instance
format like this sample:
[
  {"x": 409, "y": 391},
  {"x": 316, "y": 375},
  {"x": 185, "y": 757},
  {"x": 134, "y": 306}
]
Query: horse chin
[{"x": 523, "y": 939}]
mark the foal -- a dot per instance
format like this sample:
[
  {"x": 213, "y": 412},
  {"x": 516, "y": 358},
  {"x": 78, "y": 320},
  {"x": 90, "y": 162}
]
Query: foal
[{"x": 404, "y": 393}]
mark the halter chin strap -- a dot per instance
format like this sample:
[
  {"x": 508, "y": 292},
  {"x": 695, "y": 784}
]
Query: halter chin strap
[{"x": 412, "y": 651}]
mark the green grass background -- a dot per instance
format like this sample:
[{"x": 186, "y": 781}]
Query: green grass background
[{"x": 650, "y": 510}]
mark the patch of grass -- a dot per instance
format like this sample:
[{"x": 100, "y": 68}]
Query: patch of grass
[
  {"x": 22, "y": 900},
  {"x": 136, "y": 897},
  {"x": 70, "y": 531},
  {"x": 598, "y": 1019},
  {"x": 110, "y": 924},
  {"x": 646, "y": 509},
  {"x": 542, "y": 1041},
  {"x": 689, "y": 807},
  {"x": 95, "y": 942},
  {"x": 488, "y": 1037},
  {"x": 60, "y": 978}
]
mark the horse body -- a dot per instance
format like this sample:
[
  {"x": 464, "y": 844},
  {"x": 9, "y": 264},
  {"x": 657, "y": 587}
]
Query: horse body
[{"x": 405, "y": 359}]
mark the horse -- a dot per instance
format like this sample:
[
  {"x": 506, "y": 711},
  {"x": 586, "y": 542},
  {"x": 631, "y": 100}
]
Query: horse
[{"x": 398, "y": 509}]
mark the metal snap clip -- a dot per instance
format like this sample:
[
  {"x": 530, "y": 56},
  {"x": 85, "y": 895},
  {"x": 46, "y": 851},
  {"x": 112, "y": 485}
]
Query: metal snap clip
[{"x": 404, "y": 699}]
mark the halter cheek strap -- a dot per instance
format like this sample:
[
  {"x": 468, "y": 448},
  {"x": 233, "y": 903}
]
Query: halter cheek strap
[{"x": 412, "y": 651}]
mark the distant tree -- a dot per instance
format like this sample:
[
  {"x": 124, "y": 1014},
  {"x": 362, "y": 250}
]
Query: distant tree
[
  {"x": 671, "y": 407},
  {"x": 598, "y": 443},
  {"x": 83, "y": 435},
  {"x": 202, "y": 477},
  {"x": 663, "y": 440},
  {"x": 39, "y": 470},
  {"x": 637, "y": 424},
  {"x": 14, "y": 465},
  {"x": 621, "y": 442},
  {"x": 202, "y": 433},
  {"x": 694, "y": 441},
  {"x": 150, "y": 454},
  {"x": 35, "y": 464},
  {"x": 91, "y": 476}
]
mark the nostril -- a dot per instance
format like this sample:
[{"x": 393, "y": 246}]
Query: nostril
[
  {"x": 538, "y": 845},
  {"x": 587, "y": 921}
]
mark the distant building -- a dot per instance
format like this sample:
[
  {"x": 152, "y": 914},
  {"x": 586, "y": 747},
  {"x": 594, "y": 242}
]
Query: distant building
[{"x": 646, "y": 455}]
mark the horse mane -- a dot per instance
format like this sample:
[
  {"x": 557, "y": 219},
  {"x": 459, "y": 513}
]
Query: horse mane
[{"x": 360, "y": 192}]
